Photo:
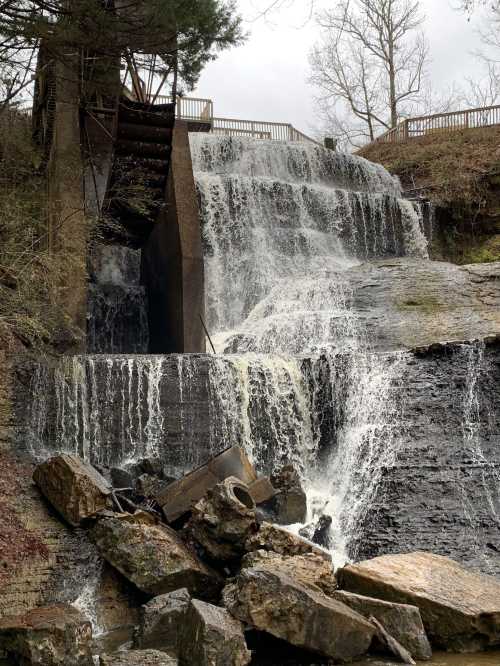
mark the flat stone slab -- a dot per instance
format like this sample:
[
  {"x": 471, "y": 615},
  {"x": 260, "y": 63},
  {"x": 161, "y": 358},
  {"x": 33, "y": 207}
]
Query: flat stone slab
[
  {"x": 402, "y": 621},
  {"x": 460, "y": 609},
  {"x": 74, "y": 488},
  {"x": 49, "y": 636},
  {"x": 138, "y": 658},
  {"x": 272, "y": 601}
]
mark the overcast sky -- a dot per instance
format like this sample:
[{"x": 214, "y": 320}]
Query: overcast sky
[{"x": 266, "y": 79}]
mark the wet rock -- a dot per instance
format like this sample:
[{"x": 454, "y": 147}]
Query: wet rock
[
  {"x": 319, "y": 532},
  {"x": 152, "y": 556},
  {"x": 391, "y": 645},
  {"x": 49, "y": 636},
  {"x": 290, "y": 501},
  {"x": 460, "y": 609},
  {"x": 273, "y": 538},
  {"x": 222, "y": 521},
  {"x": 161, "y": 621},
  {"x": 402, "y": 621},
  {"x": 122, "y": 478},
  {"x": 73, "y": 487},
  {"x": 148, "y": 485},
  {"x": 178, "y": 497},
  {"x": 138, "y": 658},
  {"x": 212, "y": 637},
  {"x": 261, "y": 490},
  {"x": 273, "y": 602},
  {"x": 312, "y": 570}
]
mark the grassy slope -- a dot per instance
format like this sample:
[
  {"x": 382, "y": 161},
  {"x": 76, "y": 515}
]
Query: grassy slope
[{"x": 460, "y": 172}]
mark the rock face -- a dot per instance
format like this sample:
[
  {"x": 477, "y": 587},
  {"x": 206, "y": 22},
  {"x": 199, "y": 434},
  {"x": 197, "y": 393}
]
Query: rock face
[
  {"x": 273, "y": 602},
  {"x": 152, "y": 556},
  {"x": 50, "y": 636},
  {"x": 460, "y": 610},
  {"x": 211, "y": 637},
  {"x": 74, "y": 488},
  {"x": 223, "y": 520},
  {"x": 290, "y": 502},
  {"x": 161, "y": 620},
  {"x": 402, "y": 621},
  {"x": 442, "y": 494},
  {"x": 138, "y": 658},
  {"x": 312, "y": 570}
]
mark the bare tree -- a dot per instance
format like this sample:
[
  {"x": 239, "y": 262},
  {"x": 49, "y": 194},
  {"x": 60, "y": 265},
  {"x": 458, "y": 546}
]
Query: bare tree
[
  {"x": 371, "y": 60},
  {"x": 485, "y": 91},
  {"x": 351, "y": 100}
]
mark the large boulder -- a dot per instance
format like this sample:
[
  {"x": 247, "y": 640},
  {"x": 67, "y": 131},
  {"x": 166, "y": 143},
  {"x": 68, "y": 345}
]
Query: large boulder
[
  {"x": 460, "y": 609},
  {"x": 402, "y": 621},
  {"x": 273, "y": 538},
  {"x": 49, "y": 636},
  {"x": 390, "y": 645},
  {"x": 74, "y": 488},
  {"x": 290, "y": 502},
  {"x": 138, "y": 658},
  {"x": 161, "y": 620},
  {"x": 312, "y": 570},
  {"x": 211, "y": 637},
  {"x": 152, "y": 556},
  {"x": 222, "y": 521},
  {"x": 272, "y": 601}
]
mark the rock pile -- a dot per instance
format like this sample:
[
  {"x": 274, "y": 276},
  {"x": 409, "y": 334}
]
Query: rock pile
[{"x": 218, "y": 585}]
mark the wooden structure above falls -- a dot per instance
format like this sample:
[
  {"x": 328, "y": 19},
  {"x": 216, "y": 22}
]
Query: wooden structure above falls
[
  {"x": 150, "y": 203},
  {"x": 137, "y": 182}
]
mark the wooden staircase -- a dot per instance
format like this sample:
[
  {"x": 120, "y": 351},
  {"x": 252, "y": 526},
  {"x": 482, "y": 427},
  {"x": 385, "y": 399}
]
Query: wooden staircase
[{"x": 136, "y": 190}]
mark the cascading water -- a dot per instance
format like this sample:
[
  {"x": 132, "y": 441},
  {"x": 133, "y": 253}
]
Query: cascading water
[
  {"x": 274, "y": 212},
  {"x": 473, "y": 422},
  {"x": 281, "y": 223},
  {"x": 117, "y": 302}
]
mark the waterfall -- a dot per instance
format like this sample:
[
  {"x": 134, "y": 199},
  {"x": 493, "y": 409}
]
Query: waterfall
[
  {"x": 118, "y": 320},
  {"x": 262, "y": 403},
  {"x": 106, "y": 409},
  {"x": 474, "y": 421},
  {"x": 277, "y": 217},
  {"x": 364, "y": 394},
  {"x": 86, "y": 602},
  {"x": 281, "y": 226}
]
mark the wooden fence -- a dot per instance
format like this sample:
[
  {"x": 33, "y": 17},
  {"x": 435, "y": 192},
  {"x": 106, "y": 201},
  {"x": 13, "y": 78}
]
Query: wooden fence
[
  {"x": 441, "y": 123},
  {"x": 202, "y": 110}
]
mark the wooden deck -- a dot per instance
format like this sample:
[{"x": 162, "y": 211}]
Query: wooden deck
[{"x": 440, "y": 123}]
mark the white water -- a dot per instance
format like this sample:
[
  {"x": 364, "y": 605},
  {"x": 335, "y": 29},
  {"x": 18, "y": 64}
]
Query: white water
[
  {"x": 107, "y": 409},
  {"x": 473, "y": 422},
  {"x": 281, "y": 223},
  {"x": 278, "y": 216}
]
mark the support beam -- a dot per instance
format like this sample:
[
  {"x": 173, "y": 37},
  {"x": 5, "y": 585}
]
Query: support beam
[
  {"x": 67, "y": 223},
  {"x": 173, "y": 270}
]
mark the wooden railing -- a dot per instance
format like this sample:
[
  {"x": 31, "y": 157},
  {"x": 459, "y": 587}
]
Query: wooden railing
[
  {"x": 201, "y": 110},
  {"x": 442, "y": 122},
  {"x": 258, "y": 130},
  {"x": 190, "y": 108}
]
